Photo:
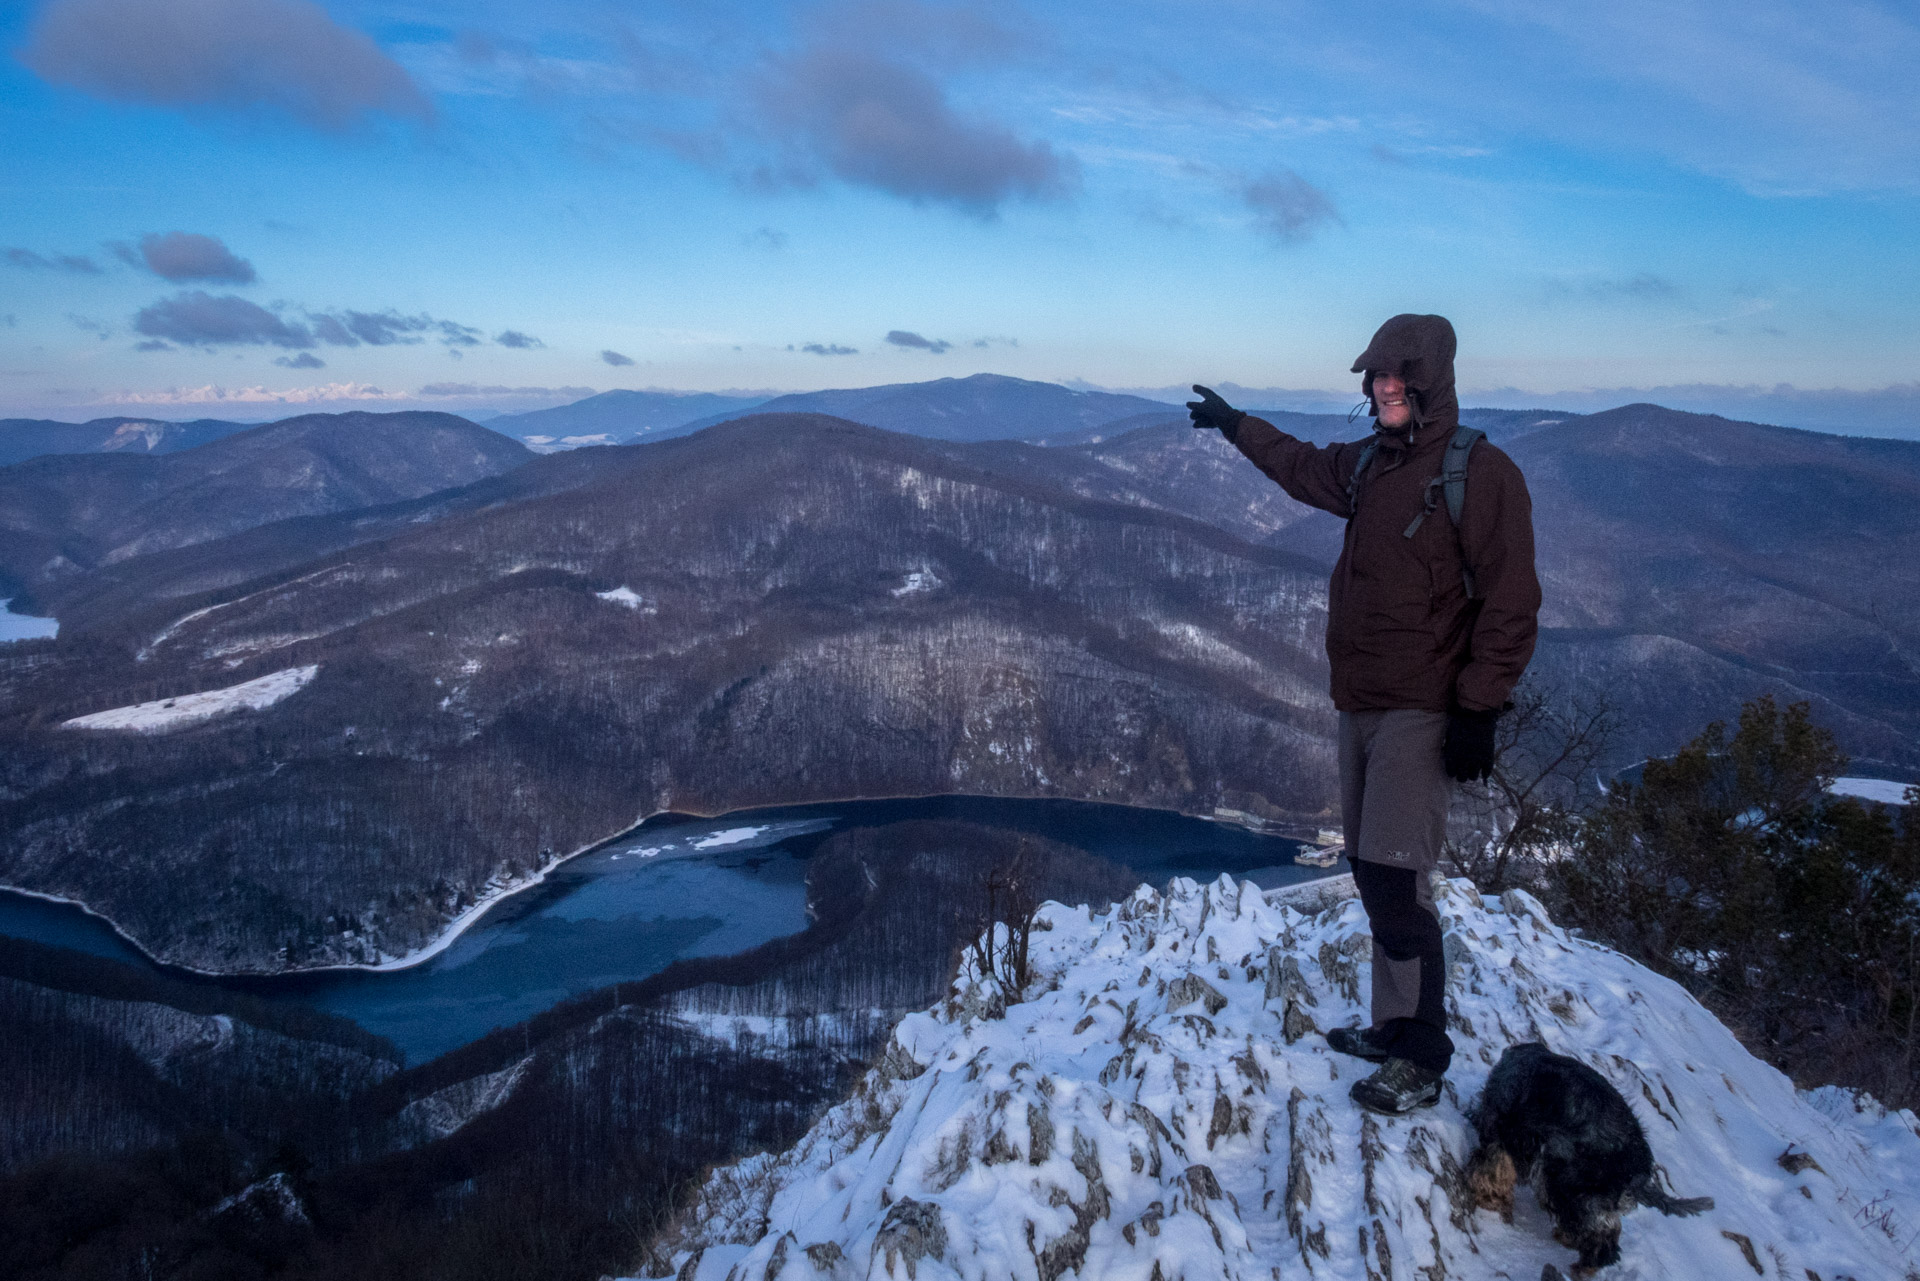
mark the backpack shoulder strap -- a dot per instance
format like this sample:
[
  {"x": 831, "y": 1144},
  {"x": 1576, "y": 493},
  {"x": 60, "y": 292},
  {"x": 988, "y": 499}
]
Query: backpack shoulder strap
[
  {"x": 1453, "y": 478},
  {"x": 1453, "y": 471},
  {"x": 1452, "y": 481},
  {"x": 1359, "y": 470}
]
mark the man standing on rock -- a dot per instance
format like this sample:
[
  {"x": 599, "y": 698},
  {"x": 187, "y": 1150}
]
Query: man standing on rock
[{"x": 1432, "y": 615}]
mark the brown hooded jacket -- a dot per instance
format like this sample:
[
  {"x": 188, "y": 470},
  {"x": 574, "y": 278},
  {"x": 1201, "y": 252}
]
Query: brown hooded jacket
[{"x": 1401, "y": 631}]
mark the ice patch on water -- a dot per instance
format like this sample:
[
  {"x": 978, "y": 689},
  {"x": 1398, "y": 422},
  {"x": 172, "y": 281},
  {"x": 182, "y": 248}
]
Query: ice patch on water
[
  {"x": 1871, "y": 789},
  {"x": 732, "y": 836}
]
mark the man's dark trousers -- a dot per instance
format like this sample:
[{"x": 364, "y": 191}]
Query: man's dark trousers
[{"x": 1393, "y": 803}]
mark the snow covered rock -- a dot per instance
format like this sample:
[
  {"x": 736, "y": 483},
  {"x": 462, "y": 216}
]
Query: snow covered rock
[{"x": 1158, "y": 1104}]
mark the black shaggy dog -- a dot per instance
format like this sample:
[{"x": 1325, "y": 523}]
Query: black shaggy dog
[{"x": 1557, "y": 1123}]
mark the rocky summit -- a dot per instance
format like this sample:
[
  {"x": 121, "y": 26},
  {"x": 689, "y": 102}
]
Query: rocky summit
[{"x": 1159, "y": 1103}]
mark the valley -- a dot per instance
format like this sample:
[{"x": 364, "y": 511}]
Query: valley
[
  {"x": 405, "y": 729},
  {"x": 513, "y": 668}
]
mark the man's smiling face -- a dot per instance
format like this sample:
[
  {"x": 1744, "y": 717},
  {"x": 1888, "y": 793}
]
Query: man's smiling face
[{"x": 1390, "y": 406}]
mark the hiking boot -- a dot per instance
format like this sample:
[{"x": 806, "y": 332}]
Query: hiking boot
[
  {"x": 1398, "y": 1088},
  {"x": 1361, "y": 1042}
]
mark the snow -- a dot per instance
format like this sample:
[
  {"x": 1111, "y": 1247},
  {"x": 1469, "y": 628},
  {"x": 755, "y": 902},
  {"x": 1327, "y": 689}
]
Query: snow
[
  {"x": 554, "y": 444},
  {"x": 920, "y": 580},
  {"x": 165, "y": 715},
  {"x": 1871, "y": 789},
  {"x": 18, "y": 627},
  {"x": 1140, "y": 1114},
  {"x": 628, "y": 597}
]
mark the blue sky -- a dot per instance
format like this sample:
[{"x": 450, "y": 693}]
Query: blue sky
[{"x": 225, "y": 207}]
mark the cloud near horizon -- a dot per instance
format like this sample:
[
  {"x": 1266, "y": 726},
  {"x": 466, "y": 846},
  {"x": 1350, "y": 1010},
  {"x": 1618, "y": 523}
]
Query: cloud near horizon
[
  {"x": 458, "y": 390},
  {"x": 215, "y": 394},
  {"x": 282, "y": 55},
  {"x": 196, "y": 318},
  {"x": 615, "y": 358},
  {"x": 907, "y": 338}
]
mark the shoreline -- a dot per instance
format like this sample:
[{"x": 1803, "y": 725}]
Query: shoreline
[
  {"x": 468, "y": 918},
  {"x": 450, "y": 934}
]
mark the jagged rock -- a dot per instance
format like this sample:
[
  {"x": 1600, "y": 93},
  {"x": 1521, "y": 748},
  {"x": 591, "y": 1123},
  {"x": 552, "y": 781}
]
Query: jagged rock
[
  {"x": 1340, "y": 964},
  {"x": 1039, "y": 1134},
  {"x": 913, "y": 1231},
  {"x": 1285, "y": 982},
  {"x": 269, "y": 1203},
  {"x": 1190, "y": 988},
  {"x": 1200, "y": 1179}
]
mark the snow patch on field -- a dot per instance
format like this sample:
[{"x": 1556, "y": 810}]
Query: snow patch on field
[
  {"x": 628, "y": 597},
  {"x": 1871, "y": 789},
  {"x": 167, "y": 714},
  {"x": 554, "y": 444},
  {"x": 920, "y": 580},
  {"x": 1159, "y": 1103}
]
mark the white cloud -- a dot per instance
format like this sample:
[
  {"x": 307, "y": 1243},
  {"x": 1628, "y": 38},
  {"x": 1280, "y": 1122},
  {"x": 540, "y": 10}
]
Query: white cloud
[{"x": 214, "y": 394}]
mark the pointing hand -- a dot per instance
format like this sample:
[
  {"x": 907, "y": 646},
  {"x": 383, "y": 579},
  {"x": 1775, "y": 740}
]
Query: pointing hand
[{"x": 1211, "y": 411}]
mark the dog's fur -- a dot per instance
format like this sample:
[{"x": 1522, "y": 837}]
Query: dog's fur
[{"x": 1557, "y": 1123}]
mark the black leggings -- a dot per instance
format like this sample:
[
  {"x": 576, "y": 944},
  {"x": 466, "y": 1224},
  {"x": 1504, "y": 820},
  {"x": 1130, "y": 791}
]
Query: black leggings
[{"x": 1406, "y": 936}]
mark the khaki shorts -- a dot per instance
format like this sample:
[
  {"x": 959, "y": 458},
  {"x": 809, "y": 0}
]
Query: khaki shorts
[{"x": 1394, "y": 786}]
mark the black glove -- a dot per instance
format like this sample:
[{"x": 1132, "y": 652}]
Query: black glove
[
  {"x": 1469, "y": 750},
  {"x": 1211, "y": 411}
]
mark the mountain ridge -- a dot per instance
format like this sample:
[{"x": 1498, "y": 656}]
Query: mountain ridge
[
  {"x": 785, "y": 607},
  {"x": 61, "y": 514},
  {"x": 24, "y": 438}
]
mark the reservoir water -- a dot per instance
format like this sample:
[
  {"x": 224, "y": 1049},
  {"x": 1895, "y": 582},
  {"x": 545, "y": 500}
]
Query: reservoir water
[
  {"x": 14, "y": 627},
  {"x": 676, "y": 887}
]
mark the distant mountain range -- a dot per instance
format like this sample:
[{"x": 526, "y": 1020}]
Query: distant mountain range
[
  {"x": 24, "y": 438},
  {"x": 64, "y": 514},
  {"x": 520, "y": 654},
  {"x": 980, "y": 407},
  {"x": 619, "y": 418},
  {"x": 983, "y": 407}
]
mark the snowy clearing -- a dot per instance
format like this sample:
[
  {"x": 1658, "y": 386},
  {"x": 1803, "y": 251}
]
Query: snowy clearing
[
  {"x": 190, "y": 709},
  {"x": 625, "y": 596},
  {"x": 554, "y": 444},
  {"x": 920, "y": 580},
  {"x": 18, "y": 627},
  {"x": 1162, "y": 1105},
  {"x": 1871, "y": 789}
]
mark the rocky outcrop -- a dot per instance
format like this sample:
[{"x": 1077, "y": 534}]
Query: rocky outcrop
[{"x": 1182, "y": 1143}]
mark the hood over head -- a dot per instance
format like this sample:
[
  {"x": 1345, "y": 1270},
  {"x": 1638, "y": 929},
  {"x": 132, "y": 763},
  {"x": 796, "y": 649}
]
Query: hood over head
[{"x": 1419, "y": 349}]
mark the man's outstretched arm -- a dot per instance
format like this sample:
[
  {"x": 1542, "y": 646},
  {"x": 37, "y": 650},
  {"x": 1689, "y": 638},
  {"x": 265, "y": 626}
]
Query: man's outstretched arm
[{"x": 1310, "y": 474}]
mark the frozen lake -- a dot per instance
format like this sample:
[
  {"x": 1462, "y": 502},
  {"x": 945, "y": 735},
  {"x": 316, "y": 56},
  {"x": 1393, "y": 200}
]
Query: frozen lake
[{"x": 676, "y": 887}]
